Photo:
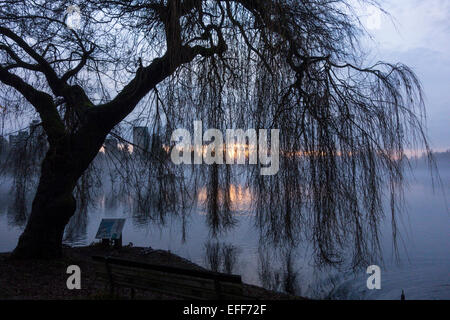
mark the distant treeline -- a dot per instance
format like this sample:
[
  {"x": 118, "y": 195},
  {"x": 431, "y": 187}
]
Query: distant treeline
[{"x": 442, "y": 159}]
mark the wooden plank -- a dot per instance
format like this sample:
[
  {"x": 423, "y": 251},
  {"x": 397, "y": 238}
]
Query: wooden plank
[
  {"x": 159, "y": 286},
  {"x": 172, "y": 290},
  {"x": 195, "y": 285},
  {"x": 169, "y": 269},
  {"x": 202, "y": 283},
  {"x": 174, "y": 279}
]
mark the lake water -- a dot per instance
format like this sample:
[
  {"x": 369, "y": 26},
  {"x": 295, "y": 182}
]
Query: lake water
[{"x": 423, "y": 271}]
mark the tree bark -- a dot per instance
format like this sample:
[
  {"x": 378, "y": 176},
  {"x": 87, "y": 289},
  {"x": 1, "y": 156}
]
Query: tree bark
[{"x": 54, "y": 203}]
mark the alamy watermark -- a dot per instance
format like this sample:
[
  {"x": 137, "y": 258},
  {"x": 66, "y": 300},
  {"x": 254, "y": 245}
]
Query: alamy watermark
[
  {"x": 374, "y": 281},
  {"x": 234, "y": 150},
  {"x": 74, "y": 280}
]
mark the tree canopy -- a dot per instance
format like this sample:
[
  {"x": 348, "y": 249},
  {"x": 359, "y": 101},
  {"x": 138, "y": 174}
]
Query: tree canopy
[{"x": 291, "y": 65}]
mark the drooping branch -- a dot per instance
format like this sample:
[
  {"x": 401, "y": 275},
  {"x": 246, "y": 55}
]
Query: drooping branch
[
  {"x": 54, "y": 82},
  {"x": 145, "y": 80},
  {"x": 148, "y": 77},
  {"x": 19, "y": 63},
  {"x": 43, "y": 103},
  {"x": 81, "y": 64}
]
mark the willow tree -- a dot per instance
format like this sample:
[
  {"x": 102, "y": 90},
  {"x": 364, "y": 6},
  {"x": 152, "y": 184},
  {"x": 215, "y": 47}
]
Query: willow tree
[{"x": 283, "y": 64}]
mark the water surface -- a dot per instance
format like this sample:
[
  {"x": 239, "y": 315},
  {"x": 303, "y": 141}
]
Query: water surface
[{"x": 423, "y": 271}]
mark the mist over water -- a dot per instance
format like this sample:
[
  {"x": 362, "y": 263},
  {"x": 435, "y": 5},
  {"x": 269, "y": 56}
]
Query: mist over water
[
  {"x": 424, "y": 243},
  {"x": 422, "y": 269}
]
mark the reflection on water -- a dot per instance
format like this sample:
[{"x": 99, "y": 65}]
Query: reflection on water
[
  {"x": 422, "y": 273},
  {"x": 240, "y": 199},
  {"x": 221, "y": 257},
  {"x": 284, "y": 276}
]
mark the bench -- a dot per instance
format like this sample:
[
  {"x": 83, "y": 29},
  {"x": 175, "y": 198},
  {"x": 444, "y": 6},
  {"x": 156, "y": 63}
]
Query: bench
[{"x": 178, "y": 282}]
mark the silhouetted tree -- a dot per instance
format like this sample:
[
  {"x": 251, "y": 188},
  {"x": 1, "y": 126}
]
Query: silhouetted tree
[{"x": 286, "y": 64}]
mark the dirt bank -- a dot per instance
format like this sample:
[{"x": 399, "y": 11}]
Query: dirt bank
[{"x": 46, "y": 279}]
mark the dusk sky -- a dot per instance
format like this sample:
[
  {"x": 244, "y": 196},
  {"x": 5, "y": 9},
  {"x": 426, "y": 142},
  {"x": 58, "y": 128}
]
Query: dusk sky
[{"x": 418, "y": 34}]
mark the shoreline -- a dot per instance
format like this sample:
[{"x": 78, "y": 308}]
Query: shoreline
[{"x": 46, "y": 279}]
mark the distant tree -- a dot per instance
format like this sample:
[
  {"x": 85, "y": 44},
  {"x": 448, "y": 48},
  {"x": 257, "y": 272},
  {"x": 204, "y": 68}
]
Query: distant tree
[{"x": 286, "y": 64}]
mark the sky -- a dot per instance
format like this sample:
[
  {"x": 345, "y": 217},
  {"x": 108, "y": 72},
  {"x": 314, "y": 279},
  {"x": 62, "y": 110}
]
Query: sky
[{"x": 417, "y": 33}]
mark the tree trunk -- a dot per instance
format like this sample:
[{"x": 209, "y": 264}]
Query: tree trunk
[
  {"x": 54, "y": 203},
  {"x": 51, "y": 211}
]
